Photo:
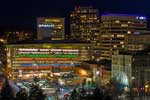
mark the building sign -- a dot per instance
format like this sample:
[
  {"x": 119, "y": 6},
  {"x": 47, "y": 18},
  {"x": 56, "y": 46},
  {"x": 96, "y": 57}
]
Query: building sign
[
  {"x": 46, "y": 25},
  {"x": 141, "y": 17},
  {"x": 46, "y": 51}
]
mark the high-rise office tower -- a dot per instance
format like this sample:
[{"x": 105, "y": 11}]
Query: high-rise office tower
[
  {"x": 114, "y": 28},
  {"x": 85, "y": 24},
  {"x": 50, "y": 28}
]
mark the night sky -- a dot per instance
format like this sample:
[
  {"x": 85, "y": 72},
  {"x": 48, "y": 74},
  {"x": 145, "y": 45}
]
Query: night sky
[{"x": 22, "y": 13}]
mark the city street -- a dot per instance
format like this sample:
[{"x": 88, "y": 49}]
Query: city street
[
  {"x": 56, "y": 90},
  {"x": 142, "y": 98},
  {"x": 137, "y": 98}
]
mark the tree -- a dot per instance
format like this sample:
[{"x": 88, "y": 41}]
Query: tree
[
  {"x": 36, "y": 93},
  {"x": 97, "y": 94},
  {"x": 7, "y": 91},
  {"x": 115, "y": 87},
  {"x": 74, "y": 95},
  {"x": 21, "y": 94}
]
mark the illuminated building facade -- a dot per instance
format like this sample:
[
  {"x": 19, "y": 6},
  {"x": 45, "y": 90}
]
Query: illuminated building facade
[
  {"x": 101, "y": 71},
  {"x": 28, "y": 58},
  {"x": 3, "y": 57},
  {"x": 133, "y": 66},
  {"x": 114, "y": 28},
  {"x": 85, "y": 24},
  {"x": 50, "y": 28},
  {"x": 136, "y": 42}
]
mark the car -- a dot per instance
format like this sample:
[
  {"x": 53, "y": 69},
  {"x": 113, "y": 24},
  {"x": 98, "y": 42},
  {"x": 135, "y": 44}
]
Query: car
[
  {"x": 63, "y": 92},
  {"x": 21, "y": 85}
]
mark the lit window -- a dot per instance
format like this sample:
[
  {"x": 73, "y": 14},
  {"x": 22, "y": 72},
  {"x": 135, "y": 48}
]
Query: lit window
[
  {"x": 129, "y": 32},
  {"x": 122, "y": 46},
  {"x": 115, "y": 46},
  {"x": 105, "y": 36},
  {"x": 124, "y": 25},
  {"x": 129, "y": 22},
  {"x": 120, "y": 35},
  {"x": 121, "y": 42},
  {"x": 117, "y": 21},
  {"x": 83, "y": 16}
]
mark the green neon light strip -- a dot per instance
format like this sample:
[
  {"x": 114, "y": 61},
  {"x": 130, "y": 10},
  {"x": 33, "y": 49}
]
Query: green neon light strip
[{"x": 48, "y": 56}]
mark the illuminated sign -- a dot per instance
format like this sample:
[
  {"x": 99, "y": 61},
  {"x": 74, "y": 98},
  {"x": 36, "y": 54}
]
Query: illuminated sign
[
  {"x": 44, "y": 49},
  {"x": 54, "y": 65},
  {"x": 46, "y": 25},
  {"x": 47, "y": 51},
  {"x": 141, "y": 17},
  {"x": 48, "y": 56},
  {"x": 33, "y": 52},
  {"x": 25, "y": 49},
  {"x": 33, "y": 49}
]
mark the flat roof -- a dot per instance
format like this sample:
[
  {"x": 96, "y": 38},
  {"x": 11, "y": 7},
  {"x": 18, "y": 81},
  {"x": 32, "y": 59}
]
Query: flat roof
[
  {"x": 104, "y": 62},
  {"x": 119, "y": 14},
  {"x": 50, "y": 41},
  {"x": 142, "y": 52}
]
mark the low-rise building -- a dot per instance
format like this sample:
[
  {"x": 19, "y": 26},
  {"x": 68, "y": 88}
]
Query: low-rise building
[
  {"x": 133, "y": 68},
  {"x": 101, "y": 71},
  {"x": 138, "y": 41},
  {"x": 30, "y": 58}
]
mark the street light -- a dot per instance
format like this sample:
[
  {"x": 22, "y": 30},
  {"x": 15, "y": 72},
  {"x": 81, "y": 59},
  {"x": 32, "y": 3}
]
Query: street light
[{"x": 20, "y": 74}]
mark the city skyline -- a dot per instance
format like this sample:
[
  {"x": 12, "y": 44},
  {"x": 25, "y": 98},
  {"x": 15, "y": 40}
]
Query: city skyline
[
  {"x": 75, "y": 50},
  {"x": 23, "y": 13}
]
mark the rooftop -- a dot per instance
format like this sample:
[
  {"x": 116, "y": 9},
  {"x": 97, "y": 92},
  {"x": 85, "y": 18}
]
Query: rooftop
[
  {"x": 135, "y": 53},
  {"x": 106, "y": 63},
  {"x": 49, "y": 41},
  {"x": 115, "y": 14}
]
